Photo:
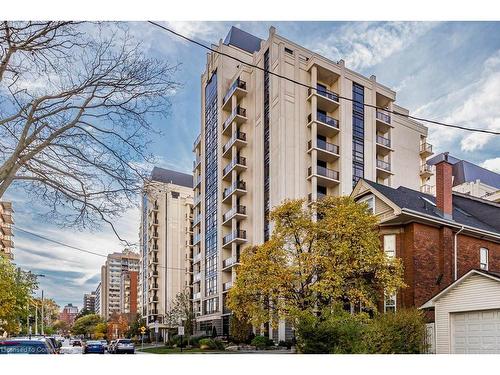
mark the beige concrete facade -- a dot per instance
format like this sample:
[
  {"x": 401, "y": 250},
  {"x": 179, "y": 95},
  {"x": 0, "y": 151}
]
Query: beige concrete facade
[
  {"x": 111, "y": 281},
  {"x": 6, "y": 221},
  {"x": 278, "y": 140},
  {"x": 165, "y": 238}
]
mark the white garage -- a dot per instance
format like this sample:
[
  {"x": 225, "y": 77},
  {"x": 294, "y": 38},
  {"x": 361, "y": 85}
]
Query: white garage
[{"x": 467, "y": 315}]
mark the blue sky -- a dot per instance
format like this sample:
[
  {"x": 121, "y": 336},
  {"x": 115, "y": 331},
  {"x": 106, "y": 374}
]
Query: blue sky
[{"x": 448, "y": 71}]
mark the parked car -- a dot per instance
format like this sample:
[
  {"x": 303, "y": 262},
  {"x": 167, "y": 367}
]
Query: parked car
[
  {"x": 123, "y": 346},
  {"x": 93, "y": 346},
  {"x": 76, "y": 343},
  {"x": 22, "y": 345},
  {"x": 105, "y": 344},
  {"x": 112, "y": 347}
]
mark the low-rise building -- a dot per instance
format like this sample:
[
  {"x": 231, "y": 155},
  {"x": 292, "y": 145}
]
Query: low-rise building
[
  {"x": 68, "y": 314},
  {"x": 438, "y": 238}
]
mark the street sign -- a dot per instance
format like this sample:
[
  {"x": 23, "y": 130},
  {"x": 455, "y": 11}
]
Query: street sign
[
  {"x": 180, "y": 331},
  {"x": 143, "y": 330}
]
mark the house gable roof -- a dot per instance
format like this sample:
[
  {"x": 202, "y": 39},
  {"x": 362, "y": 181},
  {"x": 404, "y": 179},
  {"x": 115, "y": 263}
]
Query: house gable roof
[
  {"x": 467, "y": 211},
  {"x": 431, "y": 302}
]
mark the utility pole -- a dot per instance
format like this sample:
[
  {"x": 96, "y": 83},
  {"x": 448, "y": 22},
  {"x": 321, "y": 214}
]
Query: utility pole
[
  {"x": 42, "y": 313},
  {"x": 36, "y": 318}
]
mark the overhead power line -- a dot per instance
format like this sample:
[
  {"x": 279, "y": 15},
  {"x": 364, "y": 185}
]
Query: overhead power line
[
  {"x": 79, "y": 248},
  {"x": 439, "y": 123}
]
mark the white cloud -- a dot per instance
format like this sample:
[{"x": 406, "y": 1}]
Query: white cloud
[
  {"x": 363, "y": 44},
  {"x": 492, "y": 164},
  {"x": 474, "y": 105}
]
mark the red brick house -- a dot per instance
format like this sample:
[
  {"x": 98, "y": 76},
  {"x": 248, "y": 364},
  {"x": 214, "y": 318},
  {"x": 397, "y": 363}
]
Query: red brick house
[{"x": 439, "y": 239}]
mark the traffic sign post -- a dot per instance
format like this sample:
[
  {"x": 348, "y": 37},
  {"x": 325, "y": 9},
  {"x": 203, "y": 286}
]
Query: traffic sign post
[{"x": 143, "y": 331}]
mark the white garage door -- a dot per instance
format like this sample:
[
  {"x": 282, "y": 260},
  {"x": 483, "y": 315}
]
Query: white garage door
[{"x": 476, "y": 332}]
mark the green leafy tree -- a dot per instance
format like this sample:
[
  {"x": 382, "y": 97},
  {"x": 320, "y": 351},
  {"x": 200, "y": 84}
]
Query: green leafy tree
[
  {"x": 16, "y": 288},
  {"x": 182, "y": 313},
  {"x": 86, "y": 325},
  {"x": 241, "y": 330},
  {"x": 100, "y": 330},
  {"x": 318, "y": 255}
]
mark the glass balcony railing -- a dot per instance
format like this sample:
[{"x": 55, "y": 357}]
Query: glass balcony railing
[
  {"x": 229, "y": 262},
  {"x": 383, "y": 141},
  {"x": 227, "y": 286},
  {"x": 426, "y": 148},
  {"x": 234, "y": 235},
  {"x": 238, "y": 83},
  {"x": 386, "y": 166},
  {"x": 239, "y": 209},
  {"x": 425, "y": 168},
  {"x": 325, "y": 119},
  {"x": 325, "y": 172},
  {"x": 239, "y": 160},
  {"x": 197, "y": 141},
  {"x": 324, "y": 145},
  {"x": 238, "y": 135},
  {"x": 238, "y": 185},
  {"x": 238, "y": 111},
  {"x": 325, "y": 93},
  {"x": 383, "y": 116},
  {"x": 197, "y": 258}
]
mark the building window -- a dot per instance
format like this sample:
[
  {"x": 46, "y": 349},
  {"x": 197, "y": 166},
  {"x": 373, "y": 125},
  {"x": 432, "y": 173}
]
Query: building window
[
  {"x": 370, "y": 201},
  {"x": 358, "y": 133},
  {"x": 289, "y": 51},
  {"x": 267, "y": 203},
  {"x": 390, "y": 245},
  {"x": 483, "y": 258},
  {"x": 390, "y": 302},
  {"x": 175, "y": 195}
]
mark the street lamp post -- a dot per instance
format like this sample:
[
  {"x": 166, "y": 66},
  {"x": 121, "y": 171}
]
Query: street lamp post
[{"x": 36, "y": 310}]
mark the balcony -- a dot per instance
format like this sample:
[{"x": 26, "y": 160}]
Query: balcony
[
  {"x": 7, "y": 242},
  {"x": 196, "y": 162},
  {"x": 153, "y": 260},
  {"x": 383, "y": 169},
  {"x": 197, "y": 295},
  {"x": 196, "y": 258},
  {"x": 154, "y": 299},
  {"x": 196, "y": 181},
  {"x": 227, "y": 286},
  {"x": 239, "y": 163},
  {"x": 197, "y": 277},
  {"x": 319, "y": 196},
  {"x": 6, "y": 230},
  {"x": 425, "y": 149},
  {"x": 154, "y": 286},
  {"x": 154, "y": 222},
  {"x": 383, "y": 145},
  {"x": 197, "y": 220},
  {"x": 427, "y": 189},
  {"x": 153, "y": 274},
  {"x": 325, "y": 176},
  {"x": 237, "y": 236},
  {"x": 154, "y": 235},
  {"x": 238, "y": 88},
  {"x": 326, "y": 151},
  {"x": 153, "y": 312},
  {"x": 383, "y": 120},
  {"x": 327, "y": 100},
  {"x": 325, "y": 125},
  {"x": 197, "y": 142},
  {"x": 426, "y": 171},
  {"x": 229, "y": 262},
  {"x": 238, "y": 115},
  {"x": 196, "y": 238},
  {"x": 238, "y": 139},
  {"x": 239, "y": 188},
  {"x": 239, "y": 212},
  {"x": 197, "y": 200}
]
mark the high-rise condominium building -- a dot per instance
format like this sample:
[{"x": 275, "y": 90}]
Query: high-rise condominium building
[
  {"x": 98, "y": 299},
  {"x": 112, "y": 272},
  {"x": 6, "y": 243},
  {"x": 128, "y": 295},
  {"x": 89, "y": 301},
  {"x": 265, "y": 139},
  {"x": 165, "y": 240}
]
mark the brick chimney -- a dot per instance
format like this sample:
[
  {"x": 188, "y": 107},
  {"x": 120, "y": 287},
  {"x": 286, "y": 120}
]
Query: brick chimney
[{"x": 444, "y": 183}]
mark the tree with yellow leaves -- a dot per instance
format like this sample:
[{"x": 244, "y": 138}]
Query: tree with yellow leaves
[
  {"x": 318, "y": 255},
  {"x": 16, "y": 287}
]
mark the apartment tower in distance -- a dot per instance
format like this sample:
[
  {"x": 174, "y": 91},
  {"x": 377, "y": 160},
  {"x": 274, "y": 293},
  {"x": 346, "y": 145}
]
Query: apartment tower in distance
[
  {"x": 165, "y": 243},
  {"x": 112, "y": 292},
  {"x": 6, "y": 243},
  {"x": 89, "y": 302},
  {"x": 265, "y": 139}
]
